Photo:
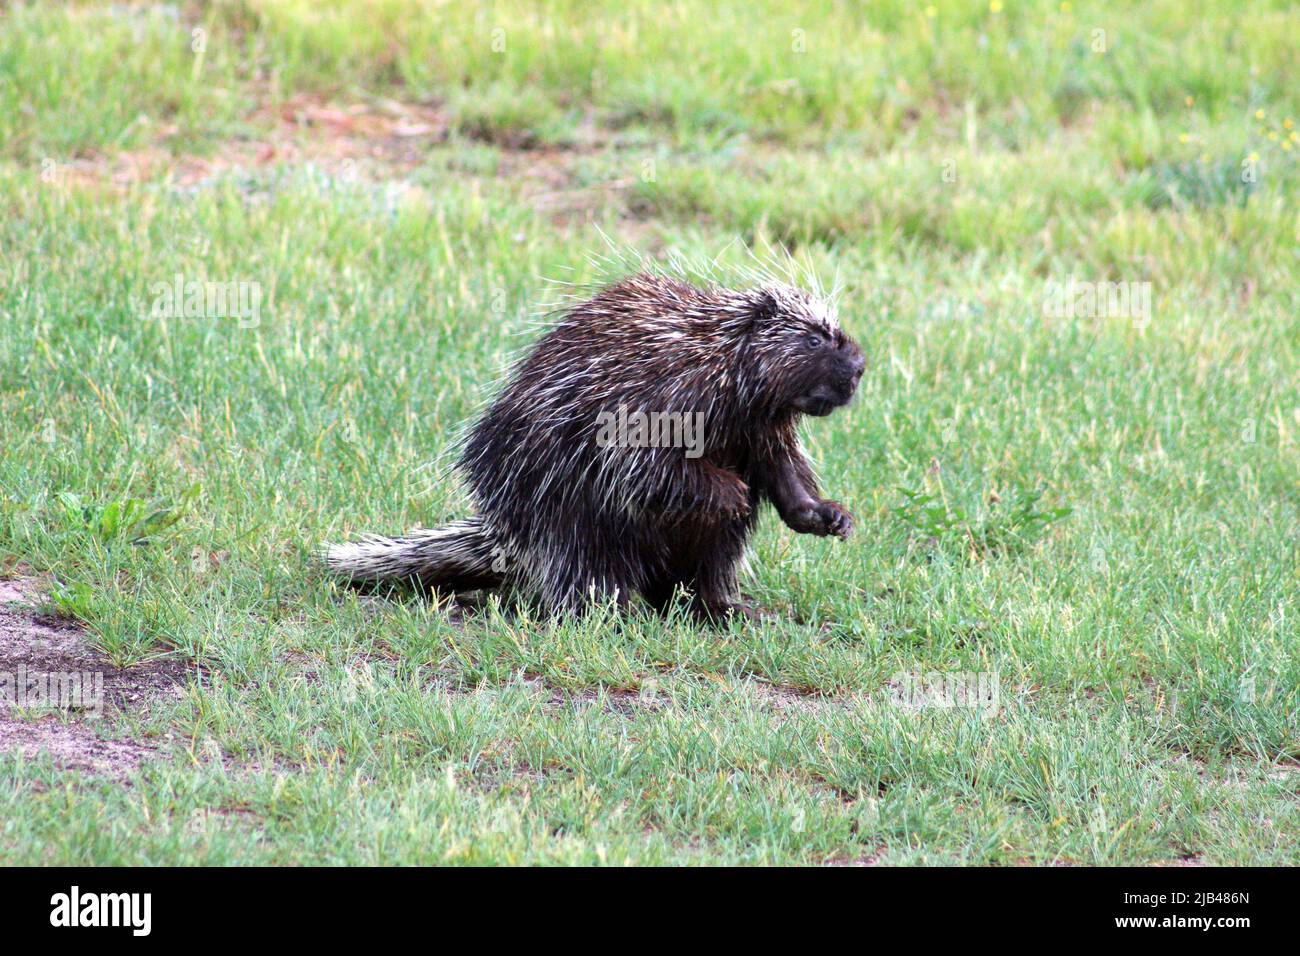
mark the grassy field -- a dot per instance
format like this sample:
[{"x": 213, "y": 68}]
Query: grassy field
[{"x": 1095, "y": 507}]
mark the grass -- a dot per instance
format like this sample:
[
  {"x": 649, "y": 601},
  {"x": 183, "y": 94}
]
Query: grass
[{"x": 1100, "y": 509}]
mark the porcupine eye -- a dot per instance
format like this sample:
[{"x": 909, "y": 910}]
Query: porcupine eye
[{"x": 813, "y": 340}]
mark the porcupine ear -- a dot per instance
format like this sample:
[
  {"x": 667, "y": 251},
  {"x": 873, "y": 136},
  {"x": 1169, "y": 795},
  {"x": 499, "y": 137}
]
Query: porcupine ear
[{"x": 764, "y": 309}]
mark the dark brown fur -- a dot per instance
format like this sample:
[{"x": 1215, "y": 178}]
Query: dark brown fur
[{"x": 572, "y": 518}]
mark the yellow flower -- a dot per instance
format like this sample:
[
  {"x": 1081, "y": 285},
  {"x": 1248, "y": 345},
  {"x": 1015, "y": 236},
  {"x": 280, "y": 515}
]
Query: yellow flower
[
  {"x": 1184, "y": 138},
  {"x": 931, "y": 12},
  {"x": 1259, "y": 114},
  {"x": 995, "y": 6},
  {"x": 1189, "y": 101},
  {"x": 1065, "y": 7},
  {"x": 1273, "y": 135},
  {"x": 1286, "y": 144},
  {"x": 1253, "y": 157},
  {"x": 1205, "y": 157},
  {"x": 1287, "y": 123},
  {"x": 1295, "y": 137}
]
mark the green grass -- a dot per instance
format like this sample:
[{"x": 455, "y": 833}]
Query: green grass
[{"x": 1102, "y": 510}]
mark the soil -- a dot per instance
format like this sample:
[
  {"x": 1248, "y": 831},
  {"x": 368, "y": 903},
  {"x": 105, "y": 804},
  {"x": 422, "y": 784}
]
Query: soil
[{"x": 73, "y": 732}]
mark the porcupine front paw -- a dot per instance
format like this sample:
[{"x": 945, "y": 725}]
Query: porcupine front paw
[
  {"x": 823, "y": 518},
  {"x": 731, "y": 499}
]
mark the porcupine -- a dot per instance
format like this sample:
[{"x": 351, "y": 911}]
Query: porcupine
[{"x": 571, "y": 519}]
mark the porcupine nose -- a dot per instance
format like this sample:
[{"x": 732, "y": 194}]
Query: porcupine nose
[
  {"x": 856, "y": 365},
  {"x": 853, "y": 363}
]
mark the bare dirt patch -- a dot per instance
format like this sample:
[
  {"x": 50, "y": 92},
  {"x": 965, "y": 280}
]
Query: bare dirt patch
[
  {"x": 786, "y": 700},
  {"x": 69, "y": 689},
  {"x": 303, "y": 130},
  {"x": 377, "y": 140},
  {"x": 870, "y": 858}
]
